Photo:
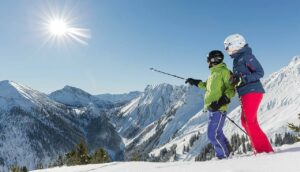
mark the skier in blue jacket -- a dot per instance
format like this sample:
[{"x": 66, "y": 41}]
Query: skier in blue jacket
[{"x": 247, "y": 72}]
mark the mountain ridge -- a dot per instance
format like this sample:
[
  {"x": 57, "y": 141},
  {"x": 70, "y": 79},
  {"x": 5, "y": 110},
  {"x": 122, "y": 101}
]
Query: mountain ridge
[{"x": 36, "y": 129}]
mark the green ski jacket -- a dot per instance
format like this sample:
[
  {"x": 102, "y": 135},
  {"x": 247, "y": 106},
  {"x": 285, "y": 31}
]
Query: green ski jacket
[{"x": 217, "y": 84}]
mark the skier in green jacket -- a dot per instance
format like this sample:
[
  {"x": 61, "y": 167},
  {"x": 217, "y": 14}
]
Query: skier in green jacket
[{"x": 217, "y": 97}]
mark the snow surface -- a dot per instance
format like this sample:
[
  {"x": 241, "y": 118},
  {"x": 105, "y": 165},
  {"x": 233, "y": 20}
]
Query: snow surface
[{"x": 286, "y": 158}]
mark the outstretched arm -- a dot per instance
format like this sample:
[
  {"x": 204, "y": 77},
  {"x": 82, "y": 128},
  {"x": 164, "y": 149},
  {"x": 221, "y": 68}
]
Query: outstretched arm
[{"x": 202, "y": 85}]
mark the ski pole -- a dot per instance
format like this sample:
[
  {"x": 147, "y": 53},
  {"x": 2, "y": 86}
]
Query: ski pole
[
  {"x": 167, "y": 73},
  {"x": 236, "y": 125},
  {"x": 254, "y": 151}
]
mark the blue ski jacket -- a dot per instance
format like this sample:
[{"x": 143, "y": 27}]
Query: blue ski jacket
[{"x": 247, "y": 66}]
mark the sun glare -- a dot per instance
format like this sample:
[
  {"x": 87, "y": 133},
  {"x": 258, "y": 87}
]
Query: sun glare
[{"x": 58, "y": 27}]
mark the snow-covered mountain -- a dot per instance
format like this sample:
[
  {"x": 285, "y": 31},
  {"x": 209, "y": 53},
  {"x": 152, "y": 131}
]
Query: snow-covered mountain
[
  {"x": 158, "y": 117},
  {"x": 35, "y": 129},
  {"x": 166, "y": 116},
  {"x": 73, "y": 96},
  {"x": 154, "y": 102},
  {"x": 119, "y": 98},
  {"x": 13, "y": 94}
]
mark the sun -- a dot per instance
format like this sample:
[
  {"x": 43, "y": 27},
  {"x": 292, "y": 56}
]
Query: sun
[
  {"x": 62, "y": 25},
  {"x": 63, "y": 29},
  {"x": 58, "y": 27}
]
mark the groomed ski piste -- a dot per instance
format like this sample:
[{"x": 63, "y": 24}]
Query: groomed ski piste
[{"x": 285, "y": 159}]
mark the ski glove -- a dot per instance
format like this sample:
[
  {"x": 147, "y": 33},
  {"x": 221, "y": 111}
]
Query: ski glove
[
  {"x": 216, "y": 105},
  {"x": 235, "y": 80},
  {"x": 192, "y": 81}
]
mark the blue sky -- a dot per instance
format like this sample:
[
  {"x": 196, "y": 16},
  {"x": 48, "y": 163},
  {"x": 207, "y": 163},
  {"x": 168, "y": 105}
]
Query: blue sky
[{"x": 130, "y": 36}]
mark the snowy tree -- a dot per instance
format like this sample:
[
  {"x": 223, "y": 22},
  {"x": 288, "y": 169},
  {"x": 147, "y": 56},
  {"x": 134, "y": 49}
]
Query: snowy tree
[
  {"x": 184, "y": 149},
  {"x": 163, "y": 152},
  {"x": 77, "y": 156},
  {"x": 187, "y": 148},
  {"x": 193, "y": 139},
  {"x": 71, "y": 158},
  {"x": 278, "y": 140},
  {"x": 295, "y": 128},
  {"x": 100, "y": 156},
  {"x": 82, "y": 153},
  {"x": 207, "y": 153},
  {"x": 288, "y": 138},
  {"x": 249, "y": 147},
  {"x": 59, "y": 162},
  {"x": 236, "y": 142},
  {"x": 137, "y": 157},
  {"x": 19, "y": 169},
  {"x": 39, "y": 166}
]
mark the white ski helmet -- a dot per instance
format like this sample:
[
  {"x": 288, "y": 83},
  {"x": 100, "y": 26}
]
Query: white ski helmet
[{"x": 233, "y": 43}]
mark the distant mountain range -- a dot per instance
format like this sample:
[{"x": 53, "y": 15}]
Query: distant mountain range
[
  {"x": 119, "y": 98},
  {"x": 35, "y": 128}
]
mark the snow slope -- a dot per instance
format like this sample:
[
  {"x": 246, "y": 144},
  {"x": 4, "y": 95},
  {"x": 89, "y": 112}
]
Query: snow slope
[{"x": 285, "y": 159}]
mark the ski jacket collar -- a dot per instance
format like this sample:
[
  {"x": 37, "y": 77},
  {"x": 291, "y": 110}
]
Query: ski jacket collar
[
  {"x": 217, "y": 67},
  {"x": 245, "y": 50}
]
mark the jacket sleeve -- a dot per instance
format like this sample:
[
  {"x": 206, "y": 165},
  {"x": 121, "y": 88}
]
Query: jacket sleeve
[
  {"x": 255, "y": 68},
  {"x": 229, "y": 88},
  {"x": 202, "y": 85}
]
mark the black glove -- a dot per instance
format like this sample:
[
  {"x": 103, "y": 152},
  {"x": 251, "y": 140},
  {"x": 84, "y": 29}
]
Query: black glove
[
  {"x": 235, "y": 80},
  {"x": 193, "y": 81},
  {"x": 216, "y": 105}
]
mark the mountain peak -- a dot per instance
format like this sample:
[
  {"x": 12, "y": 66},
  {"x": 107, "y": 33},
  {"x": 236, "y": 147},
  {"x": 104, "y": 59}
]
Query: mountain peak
[
  {"x": 295, "y": 61},
  {"x": 73, "y": 96},
  {"x": 14, "y": 94},
  {"x": 158, "y": 87},
  {"x": 11, "y": 89},
  {"x": 5, "y": 82},
  {"x": 68, "y": 87},
  {"x": 8, "y": 83},
  {"x": 75, "y": 90}
]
